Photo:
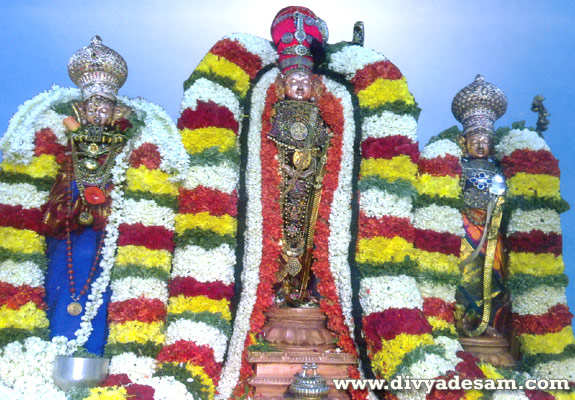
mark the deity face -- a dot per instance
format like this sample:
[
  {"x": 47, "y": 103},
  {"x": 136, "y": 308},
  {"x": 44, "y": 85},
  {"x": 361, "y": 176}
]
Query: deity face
[
  {"x": 298, "y": 85},
  {"x": 99, "y": 110},
  {"x": 478, "y": 144}
]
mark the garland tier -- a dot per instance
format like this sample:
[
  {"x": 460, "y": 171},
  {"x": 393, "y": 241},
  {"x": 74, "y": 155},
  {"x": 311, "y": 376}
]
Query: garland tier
[{"x": 136, "y": 256}]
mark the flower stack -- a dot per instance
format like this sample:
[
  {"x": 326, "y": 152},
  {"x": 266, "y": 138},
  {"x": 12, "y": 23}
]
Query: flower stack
[
  {"x": 541, "y": 318},
  {"x": 202, "y": 279}
]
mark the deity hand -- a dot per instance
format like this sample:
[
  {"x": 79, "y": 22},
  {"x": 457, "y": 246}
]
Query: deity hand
[{"x": 71, "y": 124}]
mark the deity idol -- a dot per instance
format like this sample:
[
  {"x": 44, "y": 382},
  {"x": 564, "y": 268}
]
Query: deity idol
[
  {"x": 303, "y": 156},
  {"x": 483, "y": 303},
  {"x": 86, "y": 233}
]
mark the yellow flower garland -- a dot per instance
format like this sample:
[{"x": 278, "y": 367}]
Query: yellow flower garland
[
  {"x": 443, "y": 186},
  {"x": 141, "y": 255},
  {"x": 534, "y": 185},
  {"x": 383, "y": 91},
  {"x": 392, "y": 353},
  {"x": 441, "y": 324},
  {"x": 21, "y": 240},
  {"x": 27, "y": 317},
  {"x": 198, "y": 140},
  {"x": 436, "y": 262},
  {"x": 490, "y": 371},
  {"x": 550, "y": 343},
  {"x": 108, "y": 393},
  {"x": 224, "y": 225},
  {"x": 136, "y": 331},
  {"x": 392, "y": 169},
  {"x": 381, "y": 249},
  {"x": 227, "y": 69},
  {"x": 150, "y": 180},
  {"x": 43, "y": 166},
  {"x": 198, "y": 304},
  {"x": 199, "y": 372},
  {"x": 535, "y": 264}
]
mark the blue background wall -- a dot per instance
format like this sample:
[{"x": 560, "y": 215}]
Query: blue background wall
[{"x": 524, "y": 47}]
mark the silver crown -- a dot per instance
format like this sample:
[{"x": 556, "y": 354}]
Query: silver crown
[
  {"x": 98, "y": 70},
  {"x": 478, "y": 105}
]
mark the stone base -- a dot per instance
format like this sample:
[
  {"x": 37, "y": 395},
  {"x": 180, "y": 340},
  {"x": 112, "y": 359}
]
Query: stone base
[
  {"x": 492, "y": 349},
  {"x": 275, "y": 372}
]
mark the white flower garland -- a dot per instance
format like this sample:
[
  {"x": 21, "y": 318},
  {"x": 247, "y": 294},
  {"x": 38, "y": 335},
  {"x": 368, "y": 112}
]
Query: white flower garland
[
  {"x": 379, "y": 203},
  {"x": 21, "y": 273},
  {"x": 133, "y": 287},
  {"x": 440, "y": 219},
  {"x": 253, "y": 240},
  {"x": 564, "y": 369},
  {"x": 538, "y": 300},
  {"x": 444, "y": 292},
  {"x": 136, "y": 367},
  {"x": 167, "y": 388},
  {"x": 222, "y": 177},
  {"x": 509, "y": 395},
  {"x": 205, "y": 90},
  {"x": 430, "y": 367},
  {"x": 22, "y": 194},
  {"x": 205, "y": 265},
  {"x": 377, "y": 294},
  {"x": 441, "y": 148},
  {"x": 148, "y": 213},
  {"x": 542, "y": 219},
  {"x": 256, "y": 45},
  {"x": 351, "y": 59},
  {"x": 17, "y": 144},
  {"x": 388, "y": 123},
  {"x": 517, "y": 139}
]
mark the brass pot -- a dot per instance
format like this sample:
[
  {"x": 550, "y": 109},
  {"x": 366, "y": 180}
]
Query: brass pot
[{"x": 308, "y": 384}]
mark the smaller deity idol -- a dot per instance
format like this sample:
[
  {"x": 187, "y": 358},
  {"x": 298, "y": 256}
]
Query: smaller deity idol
[
  {"x": 482, "y": 300},
  {"x": 80, "y": 200}
]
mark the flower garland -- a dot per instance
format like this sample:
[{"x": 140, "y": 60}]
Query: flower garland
[
  {"x": 130, "y": 240},
  {"x": 202, "y": 279}
]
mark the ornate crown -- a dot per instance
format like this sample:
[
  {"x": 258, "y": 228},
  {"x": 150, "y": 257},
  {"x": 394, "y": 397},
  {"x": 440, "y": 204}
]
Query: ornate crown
[
  {"x": 478, "y": 105},
  {"x": 293, "y": 30},
  {"x": 98, "y": 70}
]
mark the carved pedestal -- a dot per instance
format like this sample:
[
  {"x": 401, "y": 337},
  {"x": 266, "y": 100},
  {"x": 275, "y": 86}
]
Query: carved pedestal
[
  {"x": 492, "y": 349},
  {"x": 302, "y": 337}
]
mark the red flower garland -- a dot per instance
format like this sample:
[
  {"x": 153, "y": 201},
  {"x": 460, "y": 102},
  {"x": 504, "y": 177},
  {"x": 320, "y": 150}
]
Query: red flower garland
[
  {"x": 151, "y": 237},
  {"x": 439, "y": 242},
  {"x": 46, "y": 142},
  {"x": 147, "y": 155},
  {"x": 22, "y": 218},
  {"x": 536, "y": 242},
  {"x": 440, "y": 166},
  {"x": 386, "y": 325},
  {"x": 190, "y": 287},
  {"x": 386, "y": 226},
  {"x": 532, "y": 162},
  {"x": 184, "y": 351},
  {"x": 15, "y": 297},
  {"x": 389, "y": 147},
  {"x": 435, "y": 307},
  {"x": 141, "y": 309},
  {"x": 203, "y": 199},
  {"x": 236, "y": 53},
  {"x": 208, "y": 114},
  {"x": 468, "y": 368},
  {"x": 557, "y": 318}
]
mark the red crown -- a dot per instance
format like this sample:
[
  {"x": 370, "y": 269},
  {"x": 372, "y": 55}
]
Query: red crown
[{"x": 293, "y": 30}]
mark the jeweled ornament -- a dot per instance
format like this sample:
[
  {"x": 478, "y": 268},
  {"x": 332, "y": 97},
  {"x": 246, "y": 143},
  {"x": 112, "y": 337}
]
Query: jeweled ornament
[
  {"x": 91, "y": 164},
  {"x": 74, "y": 308},
  {"x": 85, "y": 218},
  {"x": 94, "y": 195}
]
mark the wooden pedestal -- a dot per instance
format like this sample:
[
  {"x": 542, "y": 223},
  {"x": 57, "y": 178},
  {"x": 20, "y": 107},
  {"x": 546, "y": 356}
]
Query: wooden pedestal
[{"x": 302, "y": 337}]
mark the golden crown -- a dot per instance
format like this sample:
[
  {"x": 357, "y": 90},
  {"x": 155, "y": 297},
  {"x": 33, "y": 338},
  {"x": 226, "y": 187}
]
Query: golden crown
[
  {"x": 478, "y": 105},
  {"x": 98, "y": 70}
]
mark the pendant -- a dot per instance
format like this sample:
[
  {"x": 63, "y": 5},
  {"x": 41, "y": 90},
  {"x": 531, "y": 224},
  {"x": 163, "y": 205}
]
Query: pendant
[
  {"x": 298, "y": 131},
  {"x": 94, "y": 195},
  {"x": 85, "y": 218},
  {"x": 74, "y": 308}
]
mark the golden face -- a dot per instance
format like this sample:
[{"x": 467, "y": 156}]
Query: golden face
[
  {"x": 298, "y": 85},
  {"x": 99, "y": 111},
  {"x": 478, "y": 144}
]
